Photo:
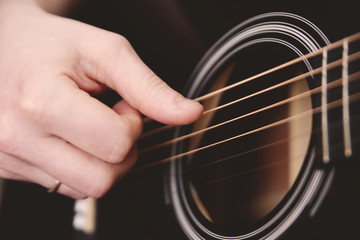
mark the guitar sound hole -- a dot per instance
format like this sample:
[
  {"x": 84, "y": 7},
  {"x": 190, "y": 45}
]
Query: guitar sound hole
[{"x": 236, "y": 185}]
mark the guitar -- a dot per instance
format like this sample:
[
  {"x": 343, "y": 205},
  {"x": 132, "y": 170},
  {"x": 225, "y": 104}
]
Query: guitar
[
  {"x": 281, "y": 115},
  {"x": 275, "y": 155}
]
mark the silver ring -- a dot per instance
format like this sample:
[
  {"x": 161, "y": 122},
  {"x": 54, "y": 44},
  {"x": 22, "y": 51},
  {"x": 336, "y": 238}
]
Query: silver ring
[{"x": 55, "y": 187}]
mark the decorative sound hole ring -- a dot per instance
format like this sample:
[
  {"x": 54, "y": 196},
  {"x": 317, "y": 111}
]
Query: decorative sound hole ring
[{"x": 298, "y": 36}]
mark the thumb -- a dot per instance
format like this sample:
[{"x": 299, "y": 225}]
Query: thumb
[
  {"x": 154, "y": 98},
  {"x": 120, "y": 68}
]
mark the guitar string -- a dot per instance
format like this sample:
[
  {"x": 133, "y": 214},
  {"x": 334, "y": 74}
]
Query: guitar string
[
  {"x": 249, "y": 151},
  {"x": 300, "y": 157},
  {"x": 337, "y": 145},
  {"x": 315, "y": 131},
  {"x": 295, "y": 159},
  {"x": 264, "y": 127},
  {"x": 333, "y": 104},
  {"x": 265, "y": 166},
  {"x": 302, "y": 95},
  {"x": 337, "y": 44},
  {"x": 163, "y": 194},
  {"x": 307, "y": 56}
]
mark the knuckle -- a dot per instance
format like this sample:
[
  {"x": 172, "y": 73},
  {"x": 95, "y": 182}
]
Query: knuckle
[
  {"x": 101, "y": 184},
  {"x": 121, "y": 41},
  {"x": 97, "y": 191},
  {"x": 119, "y": 149},
  {"x": 130, "y": 129},
  {"x": 32, "y": 107},
  {"x": 133, "y": 126}
]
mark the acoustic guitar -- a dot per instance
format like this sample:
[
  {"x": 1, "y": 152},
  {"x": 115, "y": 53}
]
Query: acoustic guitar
[{"x": 281, "y": 116}]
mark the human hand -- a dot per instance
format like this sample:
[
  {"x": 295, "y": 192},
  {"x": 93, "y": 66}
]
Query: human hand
[{"x": 50, "y": 126}]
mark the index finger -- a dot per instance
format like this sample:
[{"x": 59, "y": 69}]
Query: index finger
[{"x": 111, "y": 60}]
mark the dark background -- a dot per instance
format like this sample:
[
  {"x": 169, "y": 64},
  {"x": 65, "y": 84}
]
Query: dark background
[{"x": 171, "y": 36}]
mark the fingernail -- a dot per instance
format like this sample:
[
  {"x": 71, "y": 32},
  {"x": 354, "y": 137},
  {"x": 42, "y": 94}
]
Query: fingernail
[{"x": 185, "y": 103}]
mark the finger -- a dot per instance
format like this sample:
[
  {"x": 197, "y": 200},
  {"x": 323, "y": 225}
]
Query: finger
[
  {"x": 110, "y": 59},
  {"x": 74, "y": 168},
  {"x": 14, "y": 168},
  {"x": 88, "y": 124}
]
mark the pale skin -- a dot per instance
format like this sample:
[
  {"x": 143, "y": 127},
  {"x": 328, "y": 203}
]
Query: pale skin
[{"x": 50, "y": 125}]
